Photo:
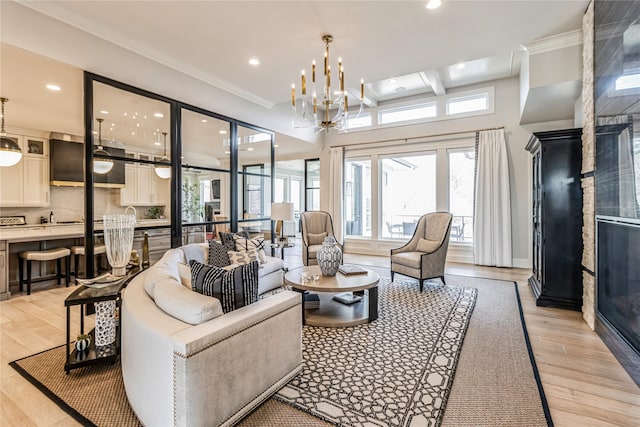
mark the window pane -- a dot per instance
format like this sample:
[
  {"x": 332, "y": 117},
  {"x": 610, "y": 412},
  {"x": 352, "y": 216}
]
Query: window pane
[
  {"x": 467, "y": 104},
  {"x": 403, "y": 114},
  {"x": 363, "y": 120},
  {"x": 254, "y": 148},
  {"x": 408, "y": 192},
  {"x": 357, "y": 196},
  {"x": 461, "y": 175},
  {"x": 313, "y": 199}
]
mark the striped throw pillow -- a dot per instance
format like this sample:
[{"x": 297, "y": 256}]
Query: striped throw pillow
[{"x": 235, "y": 289}]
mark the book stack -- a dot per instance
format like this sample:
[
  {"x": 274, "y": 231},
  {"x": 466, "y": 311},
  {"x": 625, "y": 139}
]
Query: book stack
[
  {"x": 350, "y": 270},
  {"x": 347, "y": 298},
  {"x": 311, "y": 301}
]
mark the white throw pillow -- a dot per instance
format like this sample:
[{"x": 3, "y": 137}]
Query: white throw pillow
[
  {"x": 185, "y": 305},
  {"x": 257, "y": 243}
]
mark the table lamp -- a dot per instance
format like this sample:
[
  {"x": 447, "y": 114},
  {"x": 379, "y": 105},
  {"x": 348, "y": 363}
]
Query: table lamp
[{"x": 281, "y": 212}]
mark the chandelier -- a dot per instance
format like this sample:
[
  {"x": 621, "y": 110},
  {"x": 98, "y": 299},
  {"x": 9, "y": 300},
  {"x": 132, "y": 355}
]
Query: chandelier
[{"x": 332, "y": 110}]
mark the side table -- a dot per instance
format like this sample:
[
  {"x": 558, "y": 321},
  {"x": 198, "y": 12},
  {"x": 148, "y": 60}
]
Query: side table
[
  {"x": 83, "y": 296},
  {"x": 282, "y": 246}
]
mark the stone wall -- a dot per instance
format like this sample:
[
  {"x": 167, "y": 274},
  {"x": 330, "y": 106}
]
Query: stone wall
[{"x": 588, "y": 162}]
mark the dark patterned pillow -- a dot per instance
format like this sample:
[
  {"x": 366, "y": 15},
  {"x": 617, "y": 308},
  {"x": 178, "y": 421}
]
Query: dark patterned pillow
[
  {"x": 234, "y": 289},
  {"x": 243, "y": 245},
  {"x": 218, "y": 254},
  {"x": 228, "y": 241}
]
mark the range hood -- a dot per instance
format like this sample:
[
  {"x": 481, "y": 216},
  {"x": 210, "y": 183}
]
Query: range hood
[{"x": 67, "y": 163}]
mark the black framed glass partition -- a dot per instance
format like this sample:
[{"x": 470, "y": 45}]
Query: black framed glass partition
[
  {"x": 182, "y": 168},
  {"x": 312, "y": 184},
  {"x": 206, "y": 176}
]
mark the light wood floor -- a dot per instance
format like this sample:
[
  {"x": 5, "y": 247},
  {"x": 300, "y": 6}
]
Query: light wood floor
[{"x": 585, "y": 385}]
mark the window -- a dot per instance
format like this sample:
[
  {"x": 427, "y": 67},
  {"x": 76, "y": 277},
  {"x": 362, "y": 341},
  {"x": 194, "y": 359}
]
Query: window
[
  {"x": 408, "y": 192},
  {"x": 461, "y": 188},
  {"x": 363, "y": 120},
  {"x": 468, "y": 104},
  {"x": 412, "y": 112},
  {"x": 357, "y": 197},
  {"x": 312, "y": 184}
]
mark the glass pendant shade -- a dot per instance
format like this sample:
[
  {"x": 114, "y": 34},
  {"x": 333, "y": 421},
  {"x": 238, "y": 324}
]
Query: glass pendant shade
[
  {"x": 164, "y": 171},
  {"x": 101, "y": 162},
  {"x": 10, "y": 152}
]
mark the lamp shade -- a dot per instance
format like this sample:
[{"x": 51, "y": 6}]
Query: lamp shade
[{"x": 282, "y": 211}]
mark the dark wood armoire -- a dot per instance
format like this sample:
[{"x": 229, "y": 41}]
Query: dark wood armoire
[{"x": 556, "y": 279}]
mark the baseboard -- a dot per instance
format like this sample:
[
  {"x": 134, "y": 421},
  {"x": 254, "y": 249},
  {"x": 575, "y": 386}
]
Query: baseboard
[{"x": 521, "y": 263}]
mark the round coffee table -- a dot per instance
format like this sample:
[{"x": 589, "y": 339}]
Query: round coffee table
[{"x": 333, "y": 313}]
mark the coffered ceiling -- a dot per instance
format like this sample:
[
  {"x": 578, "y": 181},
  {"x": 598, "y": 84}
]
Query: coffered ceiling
[{"x": 399, "y": 48}]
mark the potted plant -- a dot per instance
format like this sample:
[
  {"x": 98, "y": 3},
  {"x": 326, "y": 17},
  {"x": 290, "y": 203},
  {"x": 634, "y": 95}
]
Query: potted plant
[{"x": 191, "y": 208}]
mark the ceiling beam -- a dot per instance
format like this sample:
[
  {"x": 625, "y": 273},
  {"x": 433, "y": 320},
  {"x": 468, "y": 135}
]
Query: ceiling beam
[
  {"x": 354, "y": 96},
  {"x": 432, "y": 78}
]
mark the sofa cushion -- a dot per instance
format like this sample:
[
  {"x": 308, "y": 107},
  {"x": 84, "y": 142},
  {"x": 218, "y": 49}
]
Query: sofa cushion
[
  {"x": 186, "y": 305},
  {"x": 228, "y": 241},
  {"x": 155, "y": 275},
  {"x": 316, "y": 239},
  {"x": 234, "y": 289},
  {"x": 257, "y": 243},
  {"x": 428, "y": 246},
  {"x": 218, "y": 254},
  {"x": 243, "y": 258},
  {"x": 272, "y": 264}
]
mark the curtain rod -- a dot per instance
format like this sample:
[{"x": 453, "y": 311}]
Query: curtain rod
[{"x": 406, "y": 140}]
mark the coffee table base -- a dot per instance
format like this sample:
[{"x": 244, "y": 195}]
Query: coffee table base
[{"x": 333, "y": 314}]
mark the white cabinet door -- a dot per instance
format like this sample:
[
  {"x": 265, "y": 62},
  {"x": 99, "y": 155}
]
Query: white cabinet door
[
  {"x": 11, "y": 185},
  {"x": 128, "y": 195},
  {"x": 144, "y": 185},
  {"x": 161, "y": 190},
  {"x": 36, "y": 181}
]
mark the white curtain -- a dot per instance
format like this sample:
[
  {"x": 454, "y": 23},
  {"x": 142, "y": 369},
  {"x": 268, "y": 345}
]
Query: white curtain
[
  {"x": 492, "y": 211},
  {"x": 336, "y": 176}
]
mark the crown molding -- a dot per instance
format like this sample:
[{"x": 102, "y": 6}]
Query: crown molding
[
  {"x": 555, "y": 42},
  {"x": 56, "y": 12}
]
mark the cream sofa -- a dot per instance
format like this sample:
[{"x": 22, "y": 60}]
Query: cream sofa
[{"x": 182, "y": 367}]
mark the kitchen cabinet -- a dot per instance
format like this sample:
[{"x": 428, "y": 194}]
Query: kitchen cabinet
[
  {"x": 142, "y": 186},
  {"x": 4, "y": 272},
  {"x": 26, "y": 184},
  {"x": 159, "y": 243}
]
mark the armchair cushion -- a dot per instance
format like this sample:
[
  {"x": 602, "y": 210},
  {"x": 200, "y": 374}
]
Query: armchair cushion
[
  {"x": 316, "y": 239},
  {"x": 427, "y": 246},
  {"x": 235, "y": 289},
  {"x": 409, "y": 259}
]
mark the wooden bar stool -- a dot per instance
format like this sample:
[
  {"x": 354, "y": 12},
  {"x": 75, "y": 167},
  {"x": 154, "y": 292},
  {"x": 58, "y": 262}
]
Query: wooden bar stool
[
  {"x": 46, "y": 255},
  {"x": 76, "y": 251}
]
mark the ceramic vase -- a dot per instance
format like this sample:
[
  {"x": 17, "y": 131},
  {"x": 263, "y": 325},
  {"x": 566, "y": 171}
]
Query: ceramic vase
[
  {"x": 329, "y": 256},
  {"x": 83, "y": 343}
]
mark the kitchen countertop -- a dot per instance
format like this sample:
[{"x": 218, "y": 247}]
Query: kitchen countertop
[{"x": 28, "y": 233}]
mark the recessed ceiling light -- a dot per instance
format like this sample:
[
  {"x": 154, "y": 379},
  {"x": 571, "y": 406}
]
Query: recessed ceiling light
[
  {"x": 433, "y": 4},
  {"x": 104, "y": 112},
  {"x": 254, "y": 61},
  {"x": 392, "y": 81},
  {"x": 222, "y": 132},
  {"x": 54, "y": 87},
  {"x": 204, "y": 120},
  {"x": 460, "y": 65},
  {"x": 158, "y": 115},
  {"x": 227, "y": 152},
  {"x": 276, "y": 145},
  {"x": 157, "y": 143},
  {"x": 250, "y": 149}
]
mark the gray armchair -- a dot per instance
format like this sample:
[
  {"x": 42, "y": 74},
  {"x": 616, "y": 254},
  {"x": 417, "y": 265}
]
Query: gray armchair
[
  {"x": 315, "y": 226},
  {"x": 424, "y": 255}
]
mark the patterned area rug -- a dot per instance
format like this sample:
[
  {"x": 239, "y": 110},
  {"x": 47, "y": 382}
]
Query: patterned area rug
[{"x": 396, "y": 371}]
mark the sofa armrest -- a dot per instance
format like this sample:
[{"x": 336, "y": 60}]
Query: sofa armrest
[
  {"x": 224, "y": 368},
  {"x": 197, "y": 338}
]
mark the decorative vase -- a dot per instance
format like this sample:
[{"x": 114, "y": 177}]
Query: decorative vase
[
  {"x": 105, "y": 322},
  {"x": 118, "y": 239},
  {"x": 83, "y": 343},
  {"x": 329, "y": 256}
]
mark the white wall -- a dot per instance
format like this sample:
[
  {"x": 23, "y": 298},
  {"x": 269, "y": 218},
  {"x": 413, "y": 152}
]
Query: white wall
[{"x": 507, "y": 113}]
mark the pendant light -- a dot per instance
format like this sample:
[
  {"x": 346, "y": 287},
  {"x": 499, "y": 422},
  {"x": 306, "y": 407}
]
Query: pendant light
[
  {"x": 10, "y": 152},
  {"x": 101, "y": 162},
  {"x": 164, "y": 171}
]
